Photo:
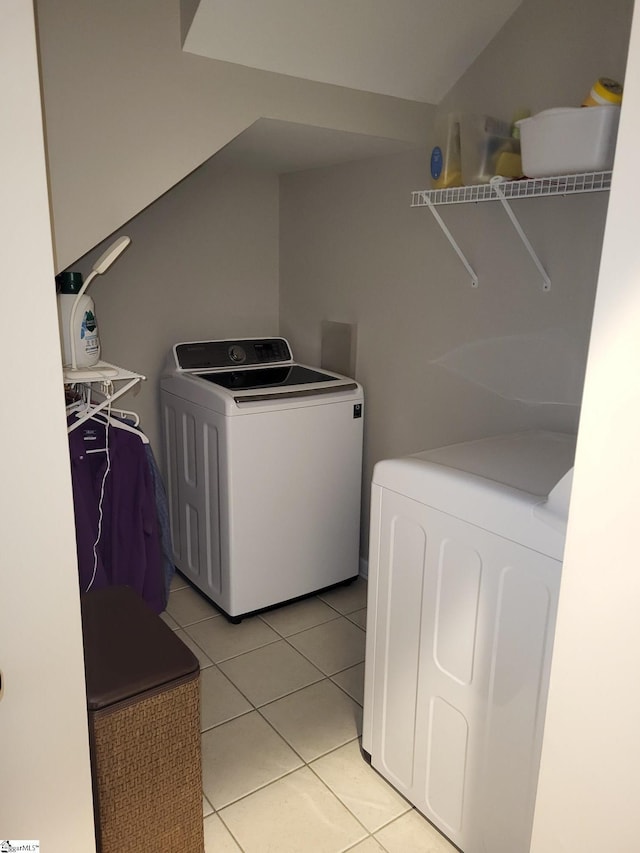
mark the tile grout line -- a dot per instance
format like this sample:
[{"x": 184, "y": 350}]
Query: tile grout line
[
  {"x": 302, "y": 630},
  {"x": 342, "y": 803},
  {"x": 237, "y": 716},
  {"x": 195, "y": 642},
  {"x": 308, "y": 764},
  {"x": 221, "y": 819},
  {"x": 324, "y": 677},
  {"x": 370, "y": 833},
  {"x": 344, "y": 690},
  {"x": 272, "y": 642},
  {"x": 290, "y": 773},
  {"x": 300, "y": 652},
  {"x": 328, "y": 677},
  {"x": 195, "y": 622},
  {"x": 257, "y": 789}
]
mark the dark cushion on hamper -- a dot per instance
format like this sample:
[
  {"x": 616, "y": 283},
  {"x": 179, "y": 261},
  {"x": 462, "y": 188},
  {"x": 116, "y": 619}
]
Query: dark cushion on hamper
[{"x": 128, "y": 649}]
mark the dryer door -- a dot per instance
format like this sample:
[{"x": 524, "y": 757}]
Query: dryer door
[{"x": 459, "y": 638}]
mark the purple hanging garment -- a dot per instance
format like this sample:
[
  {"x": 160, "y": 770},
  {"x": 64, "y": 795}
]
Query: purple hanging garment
[{"x": 128, "y": 551}]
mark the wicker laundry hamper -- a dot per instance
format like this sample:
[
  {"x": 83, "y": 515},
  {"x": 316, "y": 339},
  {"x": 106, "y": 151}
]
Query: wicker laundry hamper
[{"x": 143, "y": 698}]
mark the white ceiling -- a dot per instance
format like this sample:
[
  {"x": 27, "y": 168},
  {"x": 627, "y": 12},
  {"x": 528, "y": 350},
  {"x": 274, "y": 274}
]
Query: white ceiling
[{"x": 413, "y": 49}]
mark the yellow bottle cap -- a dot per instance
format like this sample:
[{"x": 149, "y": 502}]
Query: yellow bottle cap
[{"x": 604, "y": 91}]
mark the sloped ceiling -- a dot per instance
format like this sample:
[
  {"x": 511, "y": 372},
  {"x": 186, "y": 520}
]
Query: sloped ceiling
[
  {"x": 411, "y": 49},
  {"x": 283, "y": 146}
]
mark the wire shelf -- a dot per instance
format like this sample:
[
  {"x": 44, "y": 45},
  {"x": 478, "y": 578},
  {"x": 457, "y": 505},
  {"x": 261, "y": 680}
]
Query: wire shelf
[
  {"x": 104, "y": 374},
  {"x": 530, "y": 188}
]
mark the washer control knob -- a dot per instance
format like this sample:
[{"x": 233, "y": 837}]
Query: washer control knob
[{"x": 237, "y": 354}]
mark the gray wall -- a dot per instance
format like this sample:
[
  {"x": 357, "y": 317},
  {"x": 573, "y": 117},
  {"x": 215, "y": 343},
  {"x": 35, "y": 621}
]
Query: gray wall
[
  {"x": 440, "y": 361},
  {"x": 548, "y": 54},
  {"x": 203, "y": 263}
]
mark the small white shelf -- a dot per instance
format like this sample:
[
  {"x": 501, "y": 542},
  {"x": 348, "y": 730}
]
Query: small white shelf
[
  {"x": 105, "y": 375},
  {"x": 103, "y": 371},
  {"x": 504, "y": 192}
]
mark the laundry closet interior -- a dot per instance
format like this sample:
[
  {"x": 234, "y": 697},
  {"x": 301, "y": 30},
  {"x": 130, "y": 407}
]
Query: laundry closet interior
[
  {"x": 239, "y": 250},
  {"x": 280, "y": 216}
]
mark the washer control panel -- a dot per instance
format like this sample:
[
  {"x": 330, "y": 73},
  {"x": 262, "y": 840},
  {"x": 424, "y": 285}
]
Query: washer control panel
[{"x": 248, "y": 352}]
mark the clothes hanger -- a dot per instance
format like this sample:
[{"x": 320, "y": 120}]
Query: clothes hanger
[
  {"x": 118, "y": 424},
  {"x": 76, "y": 406},
  {"x": 104, "y": 418},
  {"x": 131, "y": 416}
]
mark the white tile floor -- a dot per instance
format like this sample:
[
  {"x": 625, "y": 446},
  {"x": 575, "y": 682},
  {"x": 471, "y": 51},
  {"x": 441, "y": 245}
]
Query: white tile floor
[{"x": 281, "y": 718}]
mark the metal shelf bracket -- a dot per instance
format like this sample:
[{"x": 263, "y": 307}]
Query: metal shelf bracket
[
  {"x": 452, "y": 240},
  {"x": 562, "y": 185},
  {"x": 546, "y": 281}
]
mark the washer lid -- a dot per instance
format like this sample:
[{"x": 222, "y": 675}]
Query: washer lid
[
  {"x": 266, "y": 377},
  {"x": 513, "y": 485}
]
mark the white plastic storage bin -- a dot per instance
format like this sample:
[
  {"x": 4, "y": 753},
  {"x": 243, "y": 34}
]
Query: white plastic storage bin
[
  {"x": 569, "y": 140},
  {"x": 464, "y": 573}
]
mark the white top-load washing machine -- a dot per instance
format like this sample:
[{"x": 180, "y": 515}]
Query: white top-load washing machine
[
  {"x": 263, "y": 463},
  {"x": 464, "y": 572}
]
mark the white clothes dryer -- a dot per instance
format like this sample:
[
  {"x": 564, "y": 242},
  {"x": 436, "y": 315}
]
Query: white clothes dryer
[
  {"x": 263, "y": 465},
  {"x": 464, "y": 573}
]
